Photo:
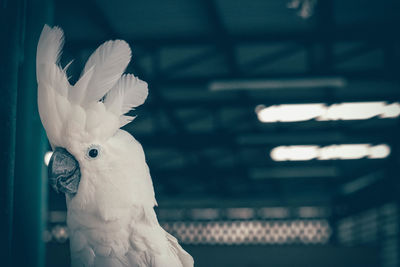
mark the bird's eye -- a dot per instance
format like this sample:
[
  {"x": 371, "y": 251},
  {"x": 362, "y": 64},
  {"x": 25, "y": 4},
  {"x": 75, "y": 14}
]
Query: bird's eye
[{"x": 93, "y": 152}]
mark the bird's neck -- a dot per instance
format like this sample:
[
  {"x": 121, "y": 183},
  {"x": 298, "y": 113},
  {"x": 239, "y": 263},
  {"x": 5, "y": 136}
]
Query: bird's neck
[{"x": 92, "y": 217}]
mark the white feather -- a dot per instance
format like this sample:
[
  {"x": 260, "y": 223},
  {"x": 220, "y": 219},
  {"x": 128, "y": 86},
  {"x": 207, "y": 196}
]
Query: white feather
[
  {"x": 129, "y": 92},
  {"x": 52, "y": 82},
  {"x": 49, "y": 47},
  {"x": 48, "y": 55},
  {"x": 123, "y": 120},
  {"x": 109, "y": 62},
  {"x": 77, "y": 92},
  {"x": 184, "y": 257}
]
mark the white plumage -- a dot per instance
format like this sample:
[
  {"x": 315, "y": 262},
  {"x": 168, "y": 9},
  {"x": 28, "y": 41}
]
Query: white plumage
[{"x": 111, "y": 219}]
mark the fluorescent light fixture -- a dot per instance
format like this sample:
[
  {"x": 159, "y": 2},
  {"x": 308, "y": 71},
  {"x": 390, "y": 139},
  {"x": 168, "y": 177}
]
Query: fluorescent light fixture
[
  {"x": 47, "y": 157},
  {"x": 323, "y": 112},
  {"x": 290, "y": 113},
  {"x": 332, "y": 82},
  {"x": 379, "y": 152},
  {"x": 332, "y": 152},
  {"x": 283, "y": 153}
]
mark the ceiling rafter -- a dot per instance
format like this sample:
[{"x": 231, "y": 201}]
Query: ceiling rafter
[
  {"x": 375, "y": 33},
  {"x": 354, "y": 52},
  {"x": 221, "y": 35},
  {"x": 250, "y": 103},
  {"x": 174, "y": 120},
  {"x": 189, "y": 62},
  {"x": 268, "y": 59},
  {"x": 97, "y": 15},
  {"x": 372, "y": 74},
  {"x": 325, "y": 28},
  {"x": 159, "y": 99}
]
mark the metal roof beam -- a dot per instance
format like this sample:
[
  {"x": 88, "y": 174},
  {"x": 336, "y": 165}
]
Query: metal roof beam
[
  {"x": 357, "y": 75},
  {"x": 269, "y": 99},
  {"x": 189, "y": 62},
  {"x": 347, "y": 34},
  {"x": 221, "y": 35},
  {"x": 97, "y": 15}
]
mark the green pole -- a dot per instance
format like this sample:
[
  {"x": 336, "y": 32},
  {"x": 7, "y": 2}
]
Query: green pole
[
  {"x": 10, "y": 48},
  {"x": 30, "y": 186}
]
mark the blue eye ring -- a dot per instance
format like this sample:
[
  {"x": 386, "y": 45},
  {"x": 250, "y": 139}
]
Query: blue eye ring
[{"x": 93, "y": 152}]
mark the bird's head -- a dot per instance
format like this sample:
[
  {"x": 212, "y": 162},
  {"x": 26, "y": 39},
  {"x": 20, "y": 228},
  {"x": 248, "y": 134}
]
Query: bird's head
[{"x": 94, "y": 162}]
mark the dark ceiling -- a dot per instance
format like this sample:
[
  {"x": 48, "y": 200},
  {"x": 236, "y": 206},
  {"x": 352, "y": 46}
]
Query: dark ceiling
[{"x": 204, "y": 145}]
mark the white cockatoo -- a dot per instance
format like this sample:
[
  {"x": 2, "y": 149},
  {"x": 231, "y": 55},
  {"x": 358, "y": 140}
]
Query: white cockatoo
[{"x": 101, "y": 168}]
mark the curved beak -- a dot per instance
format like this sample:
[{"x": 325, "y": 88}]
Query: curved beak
[{"x": 64, "y": 172}]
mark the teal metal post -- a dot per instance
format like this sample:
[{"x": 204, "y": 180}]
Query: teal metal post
[
  {"x": 30, "y": 185},
  {"x": 10, "y": 48}
]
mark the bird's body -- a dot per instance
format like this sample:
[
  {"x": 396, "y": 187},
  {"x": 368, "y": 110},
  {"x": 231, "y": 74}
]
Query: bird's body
[
  {"x": 101, "y": 169},
  {"x": 125, "y": 231},
  {"x": 134, "y": 239}
]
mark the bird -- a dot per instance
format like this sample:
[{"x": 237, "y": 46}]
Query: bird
[{"x": 100, "y": 167}]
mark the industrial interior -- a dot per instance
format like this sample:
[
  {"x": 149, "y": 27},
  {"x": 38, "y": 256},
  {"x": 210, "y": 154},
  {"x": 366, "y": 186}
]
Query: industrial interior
[{"x": 271, "y": 129}]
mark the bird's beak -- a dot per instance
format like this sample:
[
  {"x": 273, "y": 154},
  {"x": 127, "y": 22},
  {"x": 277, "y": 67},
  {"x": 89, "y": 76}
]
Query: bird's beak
[{"x": 64, "y": 173}]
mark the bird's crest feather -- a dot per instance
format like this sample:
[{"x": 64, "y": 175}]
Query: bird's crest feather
[{"x": 101, "y": 77}]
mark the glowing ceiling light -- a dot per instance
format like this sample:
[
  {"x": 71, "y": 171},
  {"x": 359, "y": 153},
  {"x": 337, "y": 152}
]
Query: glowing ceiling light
[
  {"x": 353, "y": 151},
  {"x": 332, "y": 152},
  {"x": 47, "y": 157},
  {"x": 379, "y": 152},
  {"x": 291, "y": 113},
  {"x": 322, "y": 112},
  {"x": 391, "y": 111},
  {"x": 287, "y": 153},
  {"x": 353, "y": 111}
]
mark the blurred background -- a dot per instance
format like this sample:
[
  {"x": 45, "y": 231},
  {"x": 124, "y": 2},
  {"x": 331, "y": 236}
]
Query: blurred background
[{"x": 271, "y": 129}]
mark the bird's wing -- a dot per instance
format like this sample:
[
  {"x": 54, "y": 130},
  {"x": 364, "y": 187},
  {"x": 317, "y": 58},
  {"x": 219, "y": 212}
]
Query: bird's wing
[
  {"x": 184, "y": 257},
  {"x": 154, "y": 247}
]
